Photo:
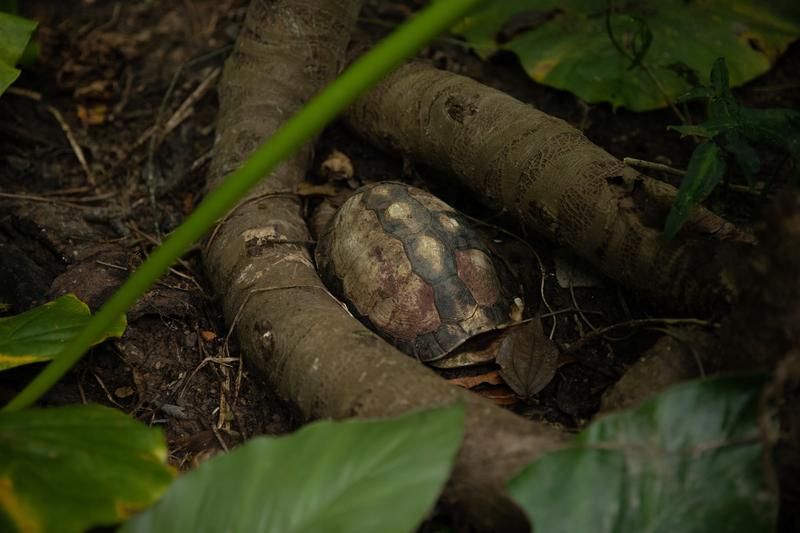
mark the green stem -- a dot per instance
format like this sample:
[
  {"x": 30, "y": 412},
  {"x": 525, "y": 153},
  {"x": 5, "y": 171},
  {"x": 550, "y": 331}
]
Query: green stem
[{"x": 322, "y": 109}]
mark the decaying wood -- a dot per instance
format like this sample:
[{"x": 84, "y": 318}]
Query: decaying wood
[
  {"x": 553, "y": 179},
  {"x": 306, "y": 344}
]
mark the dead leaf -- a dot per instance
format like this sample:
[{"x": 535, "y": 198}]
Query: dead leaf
[
  {"x": 337, "y": 166},
  {"x": 207, "y": 335},
  {"x": 123, "y": 392},
  {"x": 499, "y": 394},
  {"x": 476, "y": 351},
  {"x": 97, "y": 90},
  {"x": 306, "y": 188},
  {"x": 490, "y": 378},
  {"x": 528, "y": 359},
  {"x": 93, "y": 115}
]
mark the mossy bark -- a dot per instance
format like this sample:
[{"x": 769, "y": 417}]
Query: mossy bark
[
  {"x": 309, "y": 348},
  {"x": 553, "y": 179}
]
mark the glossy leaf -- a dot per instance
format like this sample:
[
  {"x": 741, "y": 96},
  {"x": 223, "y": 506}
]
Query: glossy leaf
[
  {"x": 356, "y": 475},
  {"x": 566, "y": 44},
  {"x": 691, "y": 460},
  {"x": 67, "y": 469},
  {"x": 40, "y": 333},
  {"x": 706, "y": 169},
  {"x": 15, "y": 32}
]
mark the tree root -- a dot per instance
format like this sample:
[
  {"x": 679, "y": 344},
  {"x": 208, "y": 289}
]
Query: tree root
[
  {"x": 554, "y": 180},
  {"x": 309, "y": 348}
]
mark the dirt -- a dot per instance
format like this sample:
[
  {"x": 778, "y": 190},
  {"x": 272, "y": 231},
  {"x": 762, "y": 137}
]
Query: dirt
[
  {"x": 106, "y": 68},
  {"x": 117, "y": 74}
]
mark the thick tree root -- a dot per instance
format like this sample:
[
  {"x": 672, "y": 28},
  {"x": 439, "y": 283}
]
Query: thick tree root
[
  {"x": 683, "y": 354},
  {"x": 553, "y": 179},
  {"x": 308, "y": 347}
]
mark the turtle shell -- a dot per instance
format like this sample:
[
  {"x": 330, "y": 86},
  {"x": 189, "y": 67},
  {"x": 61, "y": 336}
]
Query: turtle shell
[{"x": 410, "y": 267}]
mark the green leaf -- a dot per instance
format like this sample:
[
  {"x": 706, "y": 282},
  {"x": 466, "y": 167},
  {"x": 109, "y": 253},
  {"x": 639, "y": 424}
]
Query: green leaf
[
  {"x": 40, "y": 333},
  {"x": 8, "y": 75},
  {"x": 565, "y": 43},
  {"x": 29, "y": 55},
  {"x": 67, "y": 469},
  {"x": 746, "y": 157},
  {"x": 778, "y": 127},
  {"x": 708, "y": 129},
  {"x": 641, "y": 41},
  {"x": 742, "y": 127},
  {"x": 380, "y": 475},
  {"x": 695, "y": 93},
  {"x": 9, "y": 6},
  {"x": 690, "y": 460},
  {"x": 720, "y": 81},
  {"x": 774, "y": 126},
  {"x": 706, "y": 168},
  {"x": 14, "y": 35}
]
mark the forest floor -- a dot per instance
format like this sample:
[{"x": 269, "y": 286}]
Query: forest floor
[{"x": 105, "y": 143}]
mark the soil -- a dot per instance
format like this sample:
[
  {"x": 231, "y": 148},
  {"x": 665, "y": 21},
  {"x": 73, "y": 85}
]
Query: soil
[{"x": 133, "y": 85}]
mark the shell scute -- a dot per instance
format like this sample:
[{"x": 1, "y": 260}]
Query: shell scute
[
  {"x": 411, "y": 267},
  {"x": 453, "y": 300},
  {"x": 430, "y": 257}
]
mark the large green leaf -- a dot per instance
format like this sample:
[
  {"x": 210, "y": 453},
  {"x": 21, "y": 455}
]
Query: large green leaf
[
  {"x": 40, "y": 333},
  {"x": 329, "y": 476},
  {"x": 14, "y": 35},
  {"x": 690, "y": 460},
  {"x": 565, "y": 43},
  {"x": 9, "y": 6},
  {"x": 69, "y": 468},
  {"x": 706, "y": 169}
]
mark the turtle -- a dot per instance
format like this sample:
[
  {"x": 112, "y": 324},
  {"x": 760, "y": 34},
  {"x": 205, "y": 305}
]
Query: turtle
[{"x": 414, "y": 270}]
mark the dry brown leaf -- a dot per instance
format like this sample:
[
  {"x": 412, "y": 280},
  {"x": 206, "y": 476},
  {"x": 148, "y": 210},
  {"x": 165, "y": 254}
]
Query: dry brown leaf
[
  {"x": 306, "y": 188},
  {"x": 93, "y": 115},
  {"x": 528, "y": 358},
  {"x": 97, "y": 90},
  {"x": 490, "y": 378},
  {"x": 207, "y": 335},
  {"x": 337, "y": 166},
  {"x": 475, "y": 352},
  {"x": 123, "y": 392},
  {"x": 499, "y": 394}
]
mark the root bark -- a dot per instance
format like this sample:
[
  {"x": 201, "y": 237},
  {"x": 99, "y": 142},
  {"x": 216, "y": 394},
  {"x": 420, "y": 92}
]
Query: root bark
[
  {"x": 308, "y": 347},
  {"x": 554, "y": 180}
]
